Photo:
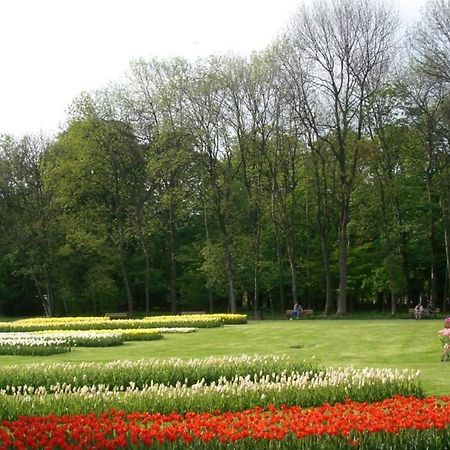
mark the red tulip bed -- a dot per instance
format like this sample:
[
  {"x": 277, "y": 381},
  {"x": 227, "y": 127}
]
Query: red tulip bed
[{"x": 394, "y": 423}]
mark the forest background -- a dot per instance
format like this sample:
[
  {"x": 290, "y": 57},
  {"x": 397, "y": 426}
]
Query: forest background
[{"x": 315, "y": 171}]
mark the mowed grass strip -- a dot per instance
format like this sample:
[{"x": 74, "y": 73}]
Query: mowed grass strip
[{"x": 397, "y": 344}]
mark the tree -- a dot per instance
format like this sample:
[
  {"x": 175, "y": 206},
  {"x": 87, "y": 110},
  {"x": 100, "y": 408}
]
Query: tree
[
  {"x": 155, "y": 104},
  {"x": 344, "y": 48},
  {"x": 424, "y": 106},
  {"x": 24, "y": 167},
  {"x": 250, "y": 101},
  {"x": 430, "y": 41},
  {"x": 206, "y": 112},
  {"x": 112, "y": 144},
  {"x": 429, "y": 45}
]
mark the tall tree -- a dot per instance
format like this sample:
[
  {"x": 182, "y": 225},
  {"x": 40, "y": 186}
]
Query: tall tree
[
  {"x": 345, "y": 48},
  {"x": 429, "y": 44},
  {"x": 206, "y": 110},
  {"x": 251, "y": 94},
  {"x": 430, "y": 41},
  {"x": 24, "y": 162}
]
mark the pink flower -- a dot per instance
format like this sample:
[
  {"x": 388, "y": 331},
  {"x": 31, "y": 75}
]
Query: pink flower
[{"x": 445, "y": 332}]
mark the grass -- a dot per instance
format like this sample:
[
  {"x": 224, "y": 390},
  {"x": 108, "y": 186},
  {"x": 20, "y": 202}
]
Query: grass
[{"x": 397, "y": 344}]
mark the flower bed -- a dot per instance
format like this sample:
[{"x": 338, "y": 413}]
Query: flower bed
[
  {"x": 104, "y": 338},
  {"x": 149, "y": 334},
  {"x": 24, "y": 344},
  {"x": 181, "y": 330},
  {"x": 237, "y": 394},
  {"x": 395, "y": 423},
  {"x": 196, "y": 321},
  {"x": 84, "y": 338},
  {"x": 232, "y": 319},
  {"x": 227, "y": 319},
  {"x": 52, "y": 320},
  {"x": 143, "y": 372}
]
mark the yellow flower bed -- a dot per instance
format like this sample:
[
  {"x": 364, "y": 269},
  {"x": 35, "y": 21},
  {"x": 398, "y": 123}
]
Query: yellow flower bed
[
  {"x": 226, "y": 319},
  {"x": 232, "y": 319},
  {"x": 105, "y": 323},
  {"x": 53, "y": 320},
  {"x": 102, "y": 324}
]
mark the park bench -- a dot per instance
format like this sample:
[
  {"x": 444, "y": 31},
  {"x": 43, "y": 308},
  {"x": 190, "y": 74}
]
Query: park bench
[
  {"x": 188, "y": 313},
  {"x": 306, "y": 312},
  {"x": 425, "y": 314},
  {"x": 117, "y": 315}
]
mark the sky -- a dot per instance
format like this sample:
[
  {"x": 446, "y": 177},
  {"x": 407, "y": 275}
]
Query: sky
[{"x": 52, "y": 50}]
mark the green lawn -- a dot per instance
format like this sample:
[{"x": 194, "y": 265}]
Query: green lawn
[{"x": 362, "y": 343}]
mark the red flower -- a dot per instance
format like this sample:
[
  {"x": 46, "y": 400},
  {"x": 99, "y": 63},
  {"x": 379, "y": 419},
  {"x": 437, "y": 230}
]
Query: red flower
[{"x": 117, "y": 429}]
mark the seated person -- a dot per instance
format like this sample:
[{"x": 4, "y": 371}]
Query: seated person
[{"x": 297, "y": 311}]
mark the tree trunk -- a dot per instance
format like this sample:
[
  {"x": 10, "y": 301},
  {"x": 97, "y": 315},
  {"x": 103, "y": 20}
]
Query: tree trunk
[
  {"x": 393, "y": 304},
  {"x": 403, "y": 252},
  {"x": 278, "y": 251},
  {"x": 321, "y": 217},
  {"x": 42, "y": 297},
  {"x": 228, "y": 264},
  {"x": 433, "y": 243},
  {"x": 445, "y": 214},
  {"x": 230, "y": 278},
  {"x": 146, "y": 259},
  {"x": 208, "y": 246},
  {"x": 146, "y": 278},
  {"x": 291, "y": 259},
  {"x": 256, "y": 264},
  {"x": 173, "y": 259},
  {"x": 343, "y": 248},
  {"x": 123, "y": 265},
  {"x": 389, "y": 246},
  {"x": 445, "y": 296},
  {"x": 329, "y": 300},
  {"x": 125, "y": 279}
]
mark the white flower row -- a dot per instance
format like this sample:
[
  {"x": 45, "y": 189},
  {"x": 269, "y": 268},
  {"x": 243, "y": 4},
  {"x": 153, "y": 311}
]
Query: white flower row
[
  {"x": 57, "y": 339},
  {"x": 176, "y": 330},
  {"x": 74, "y": 334},
  {"x": 214, "y": 361},
  {"x": 27, "y": 340},
  {"x": 347, "y": 378}
]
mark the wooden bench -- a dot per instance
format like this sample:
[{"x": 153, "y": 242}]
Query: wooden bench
[
  {"x": 188, "y": 313},
  {"x": 425, "y": 314},
  {"x": 117, "y": 315},
  {"x": 306, "y": 312}
]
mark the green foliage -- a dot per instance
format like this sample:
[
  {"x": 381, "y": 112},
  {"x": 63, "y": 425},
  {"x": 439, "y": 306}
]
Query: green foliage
[{"x": 191, "y": 181}]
